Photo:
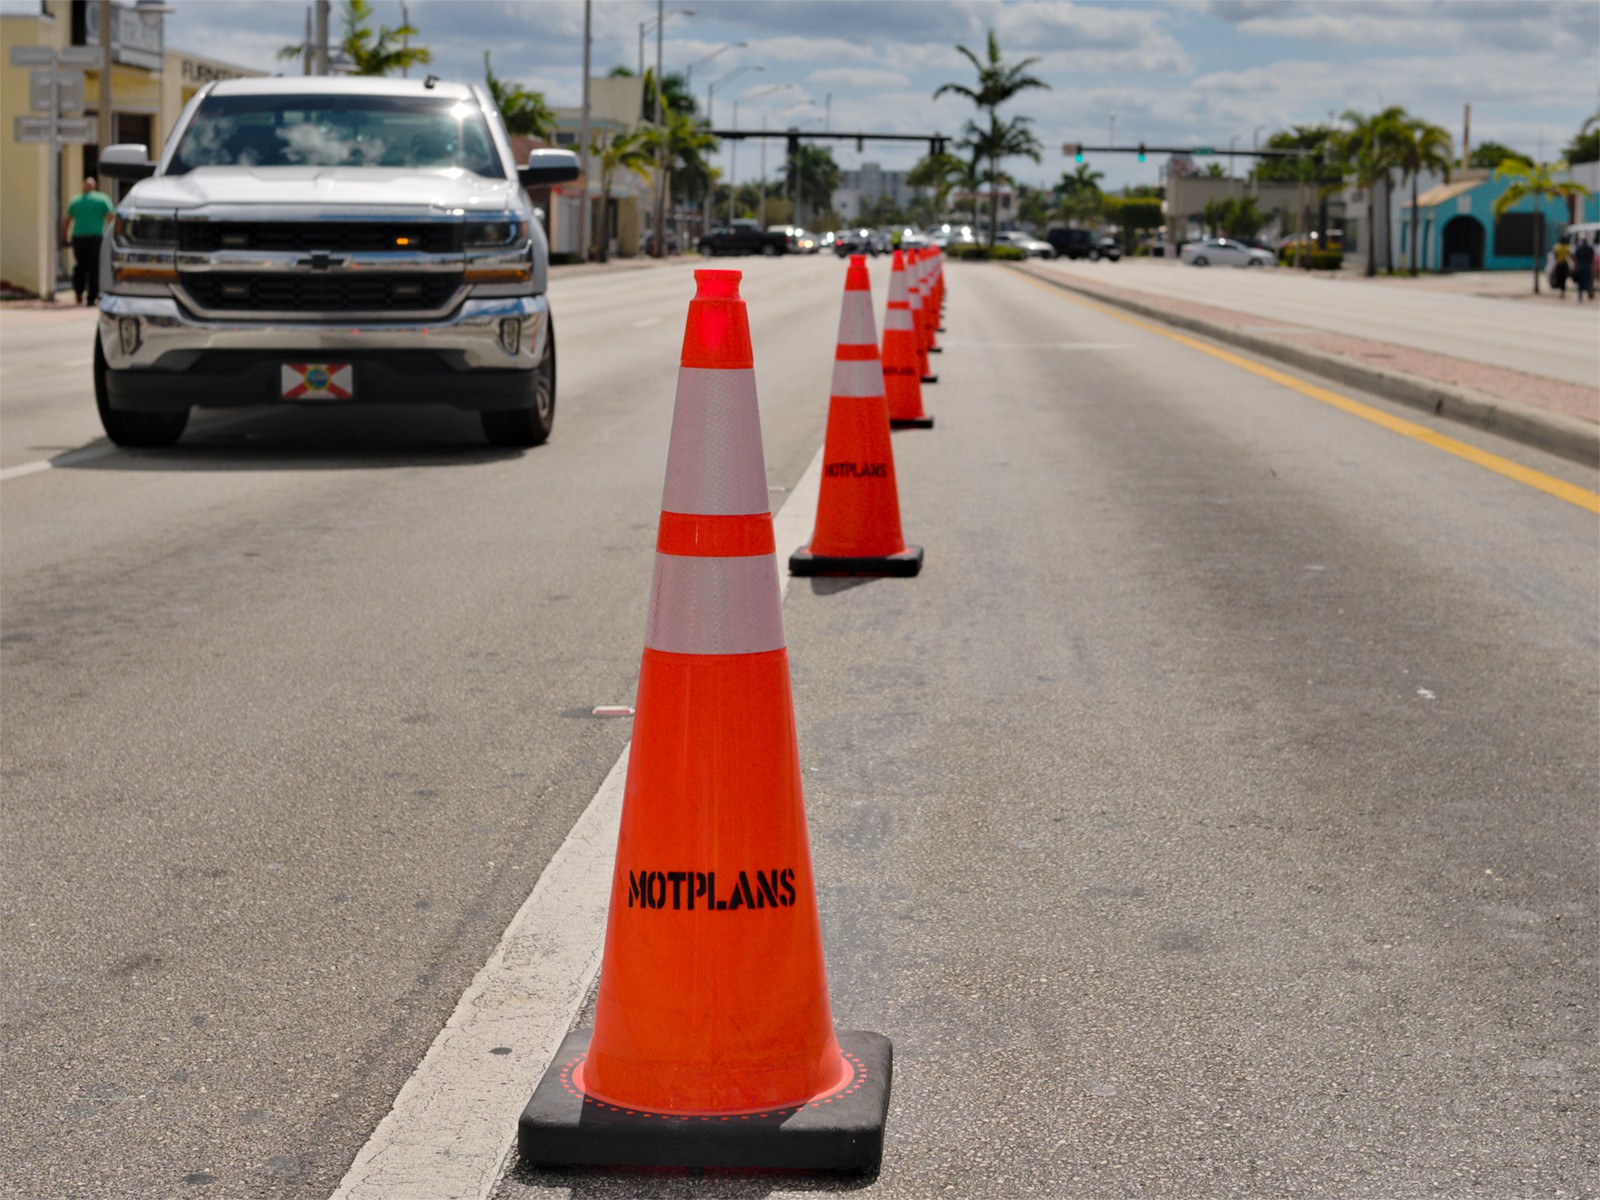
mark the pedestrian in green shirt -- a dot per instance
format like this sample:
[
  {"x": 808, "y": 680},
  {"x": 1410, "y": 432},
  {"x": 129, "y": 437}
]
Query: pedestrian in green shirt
[{"x": 85, "y": 226}]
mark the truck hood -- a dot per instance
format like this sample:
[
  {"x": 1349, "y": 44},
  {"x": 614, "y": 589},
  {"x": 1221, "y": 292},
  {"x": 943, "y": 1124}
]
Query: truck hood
[{"x": 325, "y": 188}]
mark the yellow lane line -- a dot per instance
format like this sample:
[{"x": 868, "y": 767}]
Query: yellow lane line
[{"x": 1549, "y": 484}]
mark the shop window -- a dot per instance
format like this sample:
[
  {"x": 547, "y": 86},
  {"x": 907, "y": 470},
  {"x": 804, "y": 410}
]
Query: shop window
[{"x": 1513, "y": 235}]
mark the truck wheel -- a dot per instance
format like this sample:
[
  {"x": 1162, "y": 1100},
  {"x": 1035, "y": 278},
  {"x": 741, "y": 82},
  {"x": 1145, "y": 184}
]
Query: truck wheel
[
  {"x": 138, "y": 429},
  {"x": 768, "y": 250},
  {"x": 528, "y": 426}
]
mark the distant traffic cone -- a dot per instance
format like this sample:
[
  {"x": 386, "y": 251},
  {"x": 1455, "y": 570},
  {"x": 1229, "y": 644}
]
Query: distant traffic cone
[
  {"x": 902, "y": 378},
  {"x": 938, "y": 281},
  {"x": 858, "y": 506},
  {"x": 930, "y": 300},
  {"x": 713, "y": 1043},
  {"x": 919, "y": 314}
]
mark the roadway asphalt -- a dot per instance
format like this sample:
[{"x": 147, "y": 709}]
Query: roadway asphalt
[{"x": 1212, "y": 817}]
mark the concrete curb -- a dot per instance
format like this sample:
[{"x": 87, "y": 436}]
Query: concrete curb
[{"x": 1570, "y": 437}]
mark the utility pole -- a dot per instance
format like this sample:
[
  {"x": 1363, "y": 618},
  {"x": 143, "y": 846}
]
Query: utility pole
[
  {"x": 583, "y": 135},
  {"x": 320, "y": 66},
  {"x": 107, "y": 134},
  {"x": 308, "y": 49},
  {"x": 661, "y": 175}
]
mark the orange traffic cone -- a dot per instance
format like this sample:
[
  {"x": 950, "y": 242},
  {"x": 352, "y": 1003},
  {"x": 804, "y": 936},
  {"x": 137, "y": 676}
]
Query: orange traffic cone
[
  {"x": 713, "y": 1043},
  {"x": 931, "y": 301},
  {"x": 902, "y": 379},
  {"x": 919, "y": 314},
  {"x": 858, "y": 506},
  {"x": 938, "y": 286}
]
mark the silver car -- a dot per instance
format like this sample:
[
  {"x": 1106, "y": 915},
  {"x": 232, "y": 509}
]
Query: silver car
[{"x": 1224, "y": 252}]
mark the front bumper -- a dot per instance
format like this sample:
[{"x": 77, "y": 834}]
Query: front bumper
[{"x": 160, "y": 358}]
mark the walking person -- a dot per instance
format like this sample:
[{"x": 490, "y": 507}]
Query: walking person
[
  {"x": 85, "y": 226},
  {"x": 1583, "y": 269},
  {"x": 1560, "y": 267}
]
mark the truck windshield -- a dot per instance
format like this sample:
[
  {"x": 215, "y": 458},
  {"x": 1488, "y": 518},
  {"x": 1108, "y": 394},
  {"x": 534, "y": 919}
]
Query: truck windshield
[{"x": 406, "y": 132}]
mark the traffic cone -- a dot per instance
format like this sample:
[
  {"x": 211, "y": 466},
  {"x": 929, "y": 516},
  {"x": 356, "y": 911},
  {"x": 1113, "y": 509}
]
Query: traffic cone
[
  {"x": 713, "y": 1043},
  {"x": 938, "y": 278},
  {"x": 930, "y": 299},
  {"x": 919, "y": 314},
  {"x": 858, "y": 506},
  {"x": 902, "y": 379}
]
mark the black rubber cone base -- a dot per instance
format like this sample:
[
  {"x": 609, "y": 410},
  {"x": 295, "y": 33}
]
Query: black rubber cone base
[
  {"x": 561, "y": 1127},
  {"x": 930, "y": 379},
  {"x": 910, "y": 422},
  {"x": 903, "y": 565}
]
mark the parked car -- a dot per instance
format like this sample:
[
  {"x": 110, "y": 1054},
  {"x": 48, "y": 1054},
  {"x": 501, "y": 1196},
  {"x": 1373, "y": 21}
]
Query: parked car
[
  {"x": 1224, "y": 252},
  {"x": 1026, "y": 242},
  {"x": 857, "y": 241},
  {"x": 391, "y": 255},
  {"x": 1070, "y": 243},
  {"x": 1106, "y": 247},
  {"x": 744, "y": 237}
]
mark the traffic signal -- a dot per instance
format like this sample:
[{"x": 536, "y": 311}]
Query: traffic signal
[
  {"x": 1079, "y": 155},
  {"x": 1141, "y": 151}
]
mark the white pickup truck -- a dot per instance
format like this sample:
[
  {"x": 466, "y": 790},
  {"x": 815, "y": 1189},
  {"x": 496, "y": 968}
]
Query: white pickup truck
[{"x": 323, "y": 241}]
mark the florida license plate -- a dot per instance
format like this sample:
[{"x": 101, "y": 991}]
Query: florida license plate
[{"x": 318, "y": 381}]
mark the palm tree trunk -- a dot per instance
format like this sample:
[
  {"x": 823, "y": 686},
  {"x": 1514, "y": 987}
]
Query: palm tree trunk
[
  {"x": 1538, "y": 240},
  {"x": 1372, "y": 231},
  {"x": 1416, "y": 223}
]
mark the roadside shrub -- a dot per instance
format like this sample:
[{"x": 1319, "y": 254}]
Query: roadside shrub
[{"x": 984, "y": 253}]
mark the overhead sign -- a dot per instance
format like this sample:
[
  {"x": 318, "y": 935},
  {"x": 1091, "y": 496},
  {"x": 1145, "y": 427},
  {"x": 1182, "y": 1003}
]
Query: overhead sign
[
  {"x": 1071, "y": 147},
  {"x": 1203, "y": 150},
  {"x": 136, "y": 37}
]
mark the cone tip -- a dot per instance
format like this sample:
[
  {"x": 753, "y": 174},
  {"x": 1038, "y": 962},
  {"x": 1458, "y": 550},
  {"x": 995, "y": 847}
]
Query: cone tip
[{"x": 717, "y": 285}]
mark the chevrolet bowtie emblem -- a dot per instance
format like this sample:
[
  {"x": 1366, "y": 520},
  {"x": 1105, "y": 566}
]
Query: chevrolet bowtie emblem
[{"x": 320, "y": 260}]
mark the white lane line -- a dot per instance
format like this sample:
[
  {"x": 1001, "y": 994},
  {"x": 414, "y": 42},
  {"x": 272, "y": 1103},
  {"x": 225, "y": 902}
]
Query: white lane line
[
  {"x": 647, "y": 321},
  {"x": 71, "y": 458},
  {"x": 450, "y": 1133}
]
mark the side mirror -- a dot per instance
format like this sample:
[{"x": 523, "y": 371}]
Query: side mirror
[
  {"x": 127, "y": 161},
  {"x": 548, "y": 167}
]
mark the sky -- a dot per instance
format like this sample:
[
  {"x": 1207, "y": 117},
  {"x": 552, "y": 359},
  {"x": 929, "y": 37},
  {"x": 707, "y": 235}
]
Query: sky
[{"x": 1214, "y": 73}]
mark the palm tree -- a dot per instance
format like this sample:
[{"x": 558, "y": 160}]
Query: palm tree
[
  {"x": 939, "y": 174},
  {"x": 998, "y": 81},
  {"x": 811, "y": 175},
  {"x": 1080, "y": 191},
  {"x": 1002, "y": 140},
  {"x": 682, "y": 142},
  {"x": 525, "y": 112},
  {"x": 1538, "y": 183},
  {"x": 1419, "y": 147},
  {"x": 625, "y": 151},
  {"x": 1368, "y": 149},
  {"x": 372, "y": 53}
]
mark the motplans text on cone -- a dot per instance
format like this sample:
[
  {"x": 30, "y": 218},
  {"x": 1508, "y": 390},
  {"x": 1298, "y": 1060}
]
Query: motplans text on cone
[
  {"x": 858, "y": 505},
  {"x": 713, "y": 1042},
  {"x": 902, "y": 377}
]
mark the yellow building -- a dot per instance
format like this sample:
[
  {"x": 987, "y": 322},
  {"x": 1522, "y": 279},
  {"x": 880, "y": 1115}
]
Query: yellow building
[{"x": 149, "y": 87}]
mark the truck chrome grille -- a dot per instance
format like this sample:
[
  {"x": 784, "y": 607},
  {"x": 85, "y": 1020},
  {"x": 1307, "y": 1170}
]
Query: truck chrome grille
[
  {"x": 429, "y": 237},
  {"x": 345, "y": 292}
]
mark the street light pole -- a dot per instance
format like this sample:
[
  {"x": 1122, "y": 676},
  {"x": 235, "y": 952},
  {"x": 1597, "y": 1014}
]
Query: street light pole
[
  {"x": 584, "y": 214},
  {"x": 661, "y": 177}
]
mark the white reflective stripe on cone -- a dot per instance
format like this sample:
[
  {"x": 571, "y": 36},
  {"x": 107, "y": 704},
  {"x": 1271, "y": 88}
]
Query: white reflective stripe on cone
[
  {"x": 898, "y": 294},
  {"x": 899, "y": 321},
  {"x": 855, "y": 320},
  {"x": 858, "y": 380},
  {"x": 715, "y": 605},
  {"x": 714, "y": 462}
]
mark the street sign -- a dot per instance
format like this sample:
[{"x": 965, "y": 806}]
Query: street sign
[
  {"x": 32, "y": 56},
  {"x": 79, "y": 56},
  {"x": 69, "y": 97},
  {"x": 31, "y": 129},
  {"x": 1070, "y": 147},
  {"x": 1203, "y": 150},
  {"x": 79, "y": 130}
]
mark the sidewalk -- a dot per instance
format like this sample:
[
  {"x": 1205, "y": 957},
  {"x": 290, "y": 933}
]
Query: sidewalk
[{"x": 1553, "y": 415}]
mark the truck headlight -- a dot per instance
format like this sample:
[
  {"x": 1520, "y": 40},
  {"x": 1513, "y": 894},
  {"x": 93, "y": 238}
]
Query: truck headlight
[
  {"x": 506, "y": 231},
  {"x": 149, "y": 233}
]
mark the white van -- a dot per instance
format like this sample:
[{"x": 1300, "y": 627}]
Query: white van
[{"x": 1583, "y": 229}]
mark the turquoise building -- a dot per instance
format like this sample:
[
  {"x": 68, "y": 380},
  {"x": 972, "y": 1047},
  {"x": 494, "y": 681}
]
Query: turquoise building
[{"x": 1457, "y": 230}]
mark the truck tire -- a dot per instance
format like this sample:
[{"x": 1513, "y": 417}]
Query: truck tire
[
  {"x": 768, "y": 250},
  {"x": 529, "y": 426},
  {"x": 133, "y": 429}
]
